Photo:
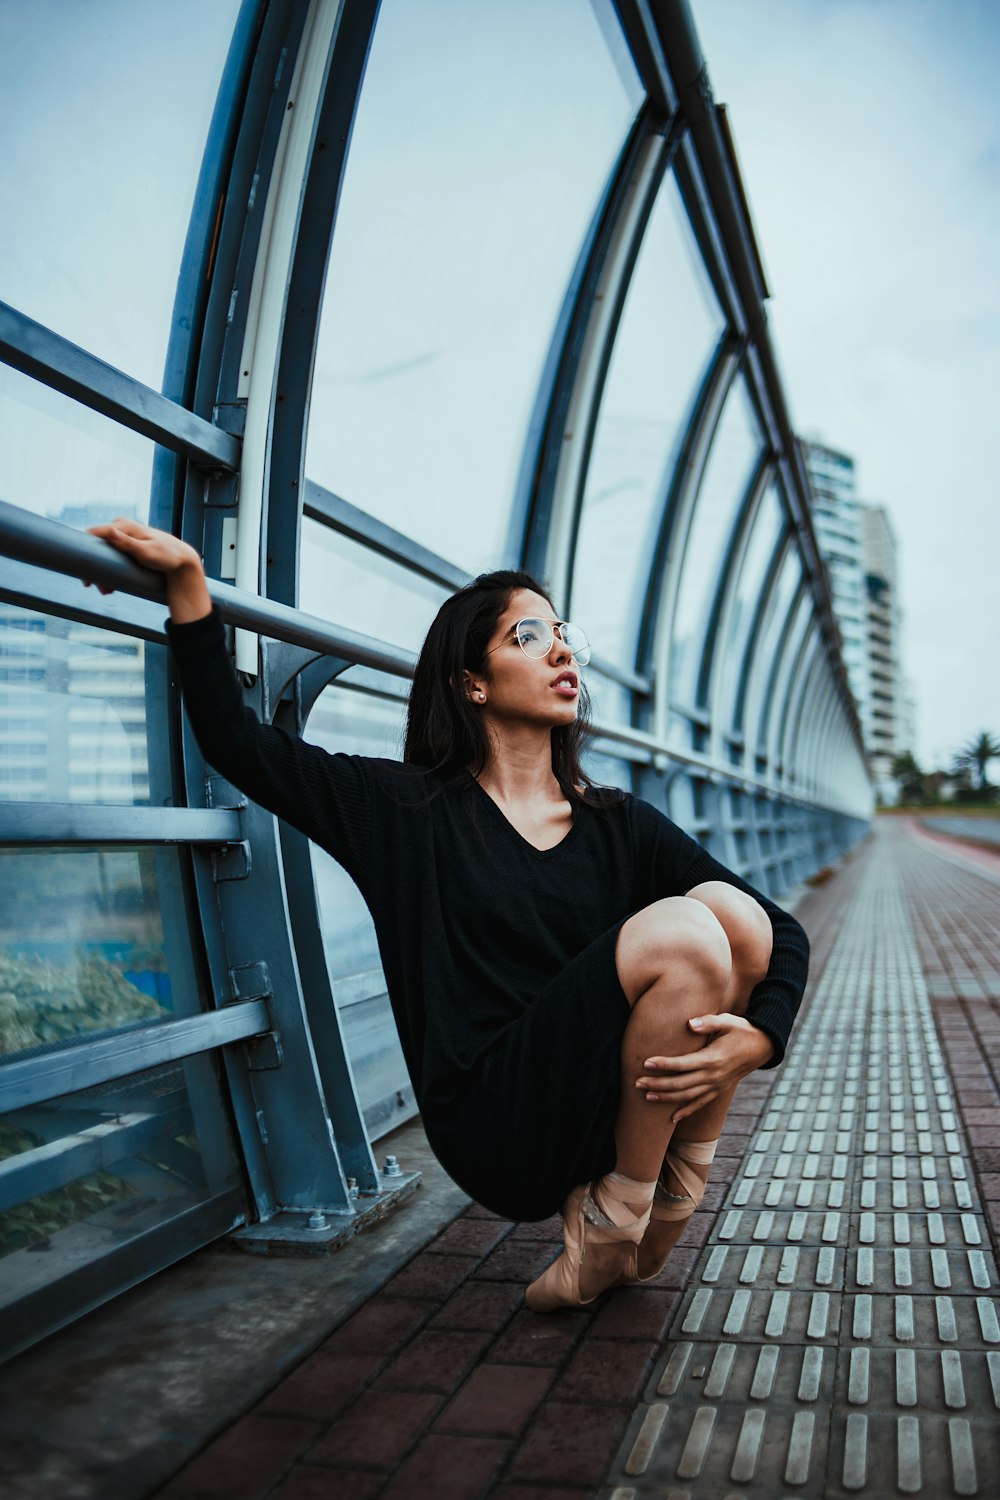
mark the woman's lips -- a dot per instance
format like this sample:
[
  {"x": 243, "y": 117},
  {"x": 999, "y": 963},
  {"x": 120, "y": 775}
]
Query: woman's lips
[{"x": 566, "y": 685}]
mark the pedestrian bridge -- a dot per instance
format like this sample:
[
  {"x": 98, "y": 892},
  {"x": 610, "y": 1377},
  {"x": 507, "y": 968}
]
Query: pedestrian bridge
[
  {"x": 372, "y": 303},
  {"x": 328, "y": 355},
  {"x": 828, "y": 1326}
]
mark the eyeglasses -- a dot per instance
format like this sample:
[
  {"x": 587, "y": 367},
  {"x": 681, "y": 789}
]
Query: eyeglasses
[{"x": 535, "y": 639}]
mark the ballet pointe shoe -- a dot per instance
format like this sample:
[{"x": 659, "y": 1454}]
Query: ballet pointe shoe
[
  {"x": 668, "y": 1208},
  {"x": 603, "y": 1223}
]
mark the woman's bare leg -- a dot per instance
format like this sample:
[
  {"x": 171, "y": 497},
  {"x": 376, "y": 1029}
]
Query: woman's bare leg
[
  {"x": 748, "y": 933},
  {"x": 674, "y": 962}
]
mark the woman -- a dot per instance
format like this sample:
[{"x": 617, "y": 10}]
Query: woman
[{"x": 578, "y": 986}]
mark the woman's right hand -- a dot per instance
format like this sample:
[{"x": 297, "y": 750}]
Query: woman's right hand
[{"x": 187, "y": 590}]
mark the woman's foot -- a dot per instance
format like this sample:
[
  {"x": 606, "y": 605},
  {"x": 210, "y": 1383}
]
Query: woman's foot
[
  {"x": 603, "y": 1223},
  {"x": 679, "y": 1192}
]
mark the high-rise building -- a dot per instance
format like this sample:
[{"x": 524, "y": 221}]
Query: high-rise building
[
  {"x": 859, "y": 548},
  {"x": 886, "y": 727},
  {"x": 837, "y": 519},
  {"x": 72, "y": 704}
]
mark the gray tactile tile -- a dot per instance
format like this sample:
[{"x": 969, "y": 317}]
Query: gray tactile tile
[
  {"x": 931, "y": 1230},
  {"x": 904, "y": 1269},
  {"x": 742, "y": 1226},
  {"x": 840, "y": 1333},
  {"x": 805, "y": 1266},
  {"x": 917, "y": 1192},
  {"x": 747, "y": 1313},
  {"x": 715, "y": 1446},
  {"x": 912, "y": 1454},
  {"x": 899, "y": 1379},
  {"x": 940, "y": 1321}
]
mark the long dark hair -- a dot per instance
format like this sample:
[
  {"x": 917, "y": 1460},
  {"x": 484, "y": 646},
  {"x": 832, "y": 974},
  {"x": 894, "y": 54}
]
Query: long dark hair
[{"x": 444, "y": 732}]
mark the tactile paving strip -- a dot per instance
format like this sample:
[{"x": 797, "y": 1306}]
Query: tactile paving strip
[{"x": 839, "y": 1336}]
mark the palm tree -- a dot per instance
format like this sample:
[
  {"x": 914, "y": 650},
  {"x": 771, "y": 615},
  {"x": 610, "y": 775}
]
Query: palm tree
[{"x": 980, "y": 750}]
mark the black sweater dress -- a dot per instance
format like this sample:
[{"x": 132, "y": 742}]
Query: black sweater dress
[{"x": 499, "y": 958}]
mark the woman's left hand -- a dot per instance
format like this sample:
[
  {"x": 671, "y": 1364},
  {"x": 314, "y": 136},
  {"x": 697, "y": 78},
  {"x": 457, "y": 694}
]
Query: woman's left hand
[{"x": 688, "y": 1082}]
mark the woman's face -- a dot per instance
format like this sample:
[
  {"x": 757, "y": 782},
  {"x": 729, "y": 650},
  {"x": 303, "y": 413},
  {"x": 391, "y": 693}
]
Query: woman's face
[{"x": 519, "y": 688}]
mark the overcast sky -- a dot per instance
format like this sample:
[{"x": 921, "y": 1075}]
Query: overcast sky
[{"x": 869, "y": 137}]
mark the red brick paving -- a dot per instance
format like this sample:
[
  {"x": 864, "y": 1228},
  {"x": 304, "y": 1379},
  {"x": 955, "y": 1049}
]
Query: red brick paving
[
  {"x": 571, "y": 1443},
  {"x": 378, "y": 1430},
  {"x": 482, "y": 1304},
  {"x": 304, "y": 1483},
  {"x": 608, "y": 1369},
  {"x": 515, "y": 1260},
  {"x": 247, "y": 1460},
  {"x": 539, "y": 1492},
  {"x": 496, "y": 1401},
  {"x": 956, "y": 917},
  {"x": 448, "y": 1468},
  {"x": 445, "y": 1386},
  {"x": 323, "y": 1385},
  {"x": 382, "y": 1326},
  {"x": 437, "y": 1360},
  {"x": 531, "y": 1340}
]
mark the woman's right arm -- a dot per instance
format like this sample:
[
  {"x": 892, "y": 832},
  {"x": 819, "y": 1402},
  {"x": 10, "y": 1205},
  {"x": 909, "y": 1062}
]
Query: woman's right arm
[{"x": 328, "y": 797}]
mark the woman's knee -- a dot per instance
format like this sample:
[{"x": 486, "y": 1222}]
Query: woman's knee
[
  {"x": 673, "y": 934},
  {"x": 746, "y": 924}
]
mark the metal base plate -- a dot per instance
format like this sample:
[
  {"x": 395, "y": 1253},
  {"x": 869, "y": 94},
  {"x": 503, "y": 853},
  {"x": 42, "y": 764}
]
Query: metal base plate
[{"x": 289, "y": 1233}]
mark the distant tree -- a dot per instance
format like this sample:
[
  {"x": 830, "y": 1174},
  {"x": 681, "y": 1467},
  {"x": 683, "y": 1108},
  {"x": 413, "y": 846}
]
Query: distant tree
[
  {"x": 978, "y": 753},
  {"x": 910, "y": 778}
]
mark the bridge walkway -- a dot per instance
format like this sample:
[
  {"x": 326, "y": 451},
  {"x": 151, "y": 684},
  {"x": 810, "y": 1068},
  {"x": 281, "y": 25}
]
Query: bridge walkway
[{"x": 827, "y": 1327}]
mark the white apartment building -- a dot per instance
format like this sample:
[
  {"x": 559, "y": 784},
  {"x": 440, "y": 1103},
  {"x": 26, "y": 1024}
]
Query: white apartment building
[
  {"x": 837, "y": 519},
  {"x": 859, "y": 547},
  {"x": 72, "y": 705},
  {"x": 887, "y": 730}
]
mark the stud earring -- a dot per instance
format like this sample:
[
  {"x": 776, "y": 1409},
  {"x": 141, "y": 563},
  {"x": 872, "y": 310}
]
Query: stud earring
[{"x": 481, "y": 696}]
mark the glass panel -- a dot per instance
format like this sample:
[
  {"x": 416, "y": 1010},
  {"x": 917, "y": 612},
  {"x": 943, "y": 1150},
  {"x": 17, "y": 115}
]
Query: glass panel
[
  {"x": 104, "y": 112},
  {"x": 343, "y": 581},
  {"x": 346, "y": 719},
  {"x": 669, "y": 328},
  {"x": 769, "y": 728},
  {"x": 138, "y": 1152},
  {"x": 802, "y": 691},
  {"x": 610, "y": 702},
  {"x": 91, "y": 940},
  {"x": 607, "y": 770},
  {"x": 473, "y": 175},
  {"x": 72, "y": 711},
  {"x": 735, "y": 450},
  {"x": 763, "y": 540},
  {"x": 775, "y": 613},
  {"x": 58, "y": 459}
]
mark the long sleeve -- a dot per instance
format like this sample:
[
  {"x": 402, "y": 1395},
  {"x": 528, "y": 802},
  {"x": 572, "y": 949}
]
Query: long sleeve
[
  {"x": 328, "y": 797},
  {"x": 678, "y": 863}
]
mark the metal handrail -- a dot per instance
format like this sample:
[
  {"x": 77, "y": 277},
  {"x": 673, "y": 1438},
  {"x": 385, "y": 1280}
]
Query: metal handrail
[{"x": 52, "y": 544}]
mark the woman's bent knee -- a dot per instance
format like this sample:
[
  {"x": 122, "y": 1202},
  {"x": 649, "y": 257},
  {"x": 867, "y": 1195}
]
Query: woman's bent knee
[
  {"x": 675, "y": 933},
  {"x": 746, "y": 924}
]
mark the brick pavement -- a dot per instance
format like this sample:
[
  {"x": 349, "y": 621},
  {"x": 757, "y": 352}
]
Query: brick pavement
[
  {"x": 956, "y": 912},
  {"x": 443, "y": 1384}
]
